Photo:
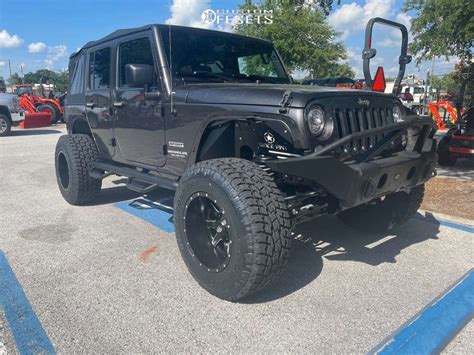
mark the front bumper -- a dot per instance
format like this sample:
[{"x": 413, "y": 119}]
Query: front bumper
[
  {"x": 17, "y": 117},
  {"x": 363, "y": 180}
]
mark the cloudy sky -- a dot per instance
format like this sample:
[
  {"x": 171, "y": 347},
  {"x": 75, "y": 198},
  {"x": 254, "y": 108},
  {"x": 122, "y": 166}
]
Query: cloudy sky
[{"x": 45, "y": 35}]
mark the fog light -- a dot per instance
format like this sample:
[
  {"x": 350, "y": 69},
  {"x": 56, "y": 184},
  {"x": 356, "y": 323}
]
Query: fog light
[{"x": 397, "y": 113}]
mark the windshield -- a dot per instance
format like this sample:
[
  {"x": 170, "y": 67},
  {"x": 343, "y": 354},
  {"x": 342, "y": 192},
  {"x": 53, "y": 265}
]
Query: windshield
[
  {"x": 24, "y": 90},
  {"x": 202, "y": 56}
]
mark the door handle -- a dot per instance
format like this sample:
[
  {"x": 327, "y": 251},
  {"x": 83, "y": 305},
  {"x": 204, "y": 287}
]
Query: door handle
[
  {"x": 118, "y": 104},
  {"x": 90, "y": 104}
]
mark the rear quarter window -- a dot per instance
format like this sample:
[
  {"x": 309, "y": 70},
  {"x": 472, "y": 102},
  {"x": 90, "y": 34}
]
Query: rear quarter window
[{"x": 77, "y": 77}]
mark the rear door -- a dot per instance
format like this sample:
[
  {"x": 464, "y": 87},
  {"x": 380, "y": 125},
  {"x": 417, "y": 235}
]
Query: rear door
[
  {"x": 139, "y": 124},
  {"x": 98, "y": 97}
]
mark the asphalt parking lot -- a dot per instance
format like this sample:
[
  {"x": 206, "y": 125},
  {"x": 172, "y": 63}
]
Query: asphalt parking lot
[{"x": 108, "y": 278}]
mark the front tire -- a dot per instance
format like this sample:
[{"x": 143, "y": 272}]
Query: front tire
[
  {"x": 5, "y": 126},
  {"x": 53, "y": 110},
  {"x": 232, "y": 227},
  {"x": 383, "y": 215},
  {"x": 444, "y": 157},
  {"x": 74, "y": 155}
]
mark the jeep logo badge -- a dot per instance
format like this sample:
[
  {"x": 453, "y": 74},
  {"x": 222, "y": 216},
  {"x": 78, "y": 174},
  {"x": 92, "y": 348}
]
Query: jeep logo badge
[
  {"x": 269, "y": 138},
  {"x": 364, "y": 102}
]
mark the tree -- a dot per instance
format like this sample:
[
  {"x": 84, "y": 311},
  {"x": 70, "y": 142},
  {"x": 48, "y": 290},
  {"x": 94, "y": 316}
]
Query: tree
[
  {"x": 324, "y": 5},
  {"x": 14, "y": 79},
  {"x": 442, "y": 28},
  {"x": 445, "y": 83},
  {"x": 62, "y": 81},
  {"x": 59, "y": 79},
  {"x": 302, "y": 37}
]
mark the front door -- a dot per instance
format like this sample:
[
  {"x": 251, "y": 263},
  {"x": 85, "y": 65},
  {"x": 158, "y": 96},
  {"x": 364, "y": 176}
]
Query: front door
[
  {"x": 98, "y": 98},
  {"x": 139, "y": 124}
]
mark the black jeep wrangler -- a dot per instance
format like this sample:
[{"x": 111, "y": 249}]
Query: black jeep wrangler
[{"x": 215, "y": 116}]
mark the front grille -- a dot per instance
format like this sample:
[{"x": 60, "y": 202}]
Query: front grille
[
  {"x": 354, "y": 120},
  {"x": 16, "y": 103}
]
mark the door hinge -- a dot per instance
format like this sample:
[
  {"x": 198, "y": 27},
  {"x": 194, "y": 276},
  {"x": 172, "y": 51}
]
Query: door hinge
[{"x": 113, "y": 142}]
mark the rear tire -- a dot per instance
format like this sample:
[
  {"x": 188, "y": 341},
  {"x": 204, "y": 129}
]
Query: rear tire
[
  {"x": 444, "y": 157},
  {"x": 55, "y": 113},
  {"x": 74, "y": 155},
  {"x": 5, "y": 126},
  {"x": 232, "y": 227},
  {"x": 384, "y": 215}
]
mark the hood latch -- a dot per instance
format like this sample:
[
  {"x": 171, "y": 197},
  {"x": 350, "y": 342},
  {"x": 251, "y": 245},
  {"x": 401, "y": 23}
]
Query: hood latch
[{"x": 285, "y": 102}]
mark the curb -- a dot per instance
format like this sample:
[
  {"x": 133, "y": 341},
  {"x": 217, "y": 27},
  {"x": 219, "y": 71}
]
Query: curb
[{"x": 446, "y": 217}]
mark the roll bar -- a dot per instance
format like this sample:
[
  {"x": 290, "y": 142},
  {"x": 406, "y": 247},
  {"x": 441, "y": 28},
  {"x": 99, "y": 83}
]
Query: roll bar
[{"x": 368, "y": 53}]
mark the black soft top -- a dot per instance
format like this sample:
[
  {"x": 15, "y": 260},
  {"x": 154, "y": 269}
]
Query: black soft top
[
  {"x": 128, "y": 31},
  {"x": 113, "y": 35}
]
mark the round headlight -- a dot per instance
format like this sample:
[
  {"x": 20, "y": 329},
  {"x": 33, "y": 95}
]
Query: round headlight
[
  {"x": 397, "y": 113},
  {"x": 316, "y": 120}
]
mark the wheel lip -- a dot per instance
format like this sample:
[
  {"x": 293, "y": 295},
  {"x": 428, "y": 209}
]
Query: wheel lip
[
  {"x": 187, "y": 245},
  {"x": 3, "y": 125},
  {"x": 60, "y": 179}
]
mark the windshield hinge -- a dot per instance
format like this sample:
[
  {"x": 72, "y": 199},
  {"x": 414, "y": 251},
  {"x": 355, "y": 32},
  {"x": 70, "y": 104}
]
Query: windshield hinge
[{"x": 285, "y": 102}]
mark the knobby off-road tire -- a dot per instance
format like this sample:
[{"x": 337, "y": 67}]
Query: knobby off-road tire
[
  {"x": 243, "y": 198},
  {"x": 384, "y": 215},
  {"x": 74, "y": 154},
  {"x": 5, "y": 126},
  {"x": 444, "y": 157}
]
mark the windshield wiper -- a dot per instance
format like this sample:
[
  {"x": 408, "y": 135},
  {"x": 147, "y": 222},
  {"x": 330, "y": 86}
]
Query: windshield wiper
[
  {"x": 254, "y": 77},
  {"x": 208, "y": 74},
  {"x": 203, "y": 74}
]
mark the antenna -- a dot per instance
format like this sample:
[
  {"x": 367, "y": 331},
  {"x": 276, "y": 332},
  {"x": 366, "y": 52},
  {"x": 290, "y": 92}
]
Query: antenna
[{"x": 173, "y": 112}]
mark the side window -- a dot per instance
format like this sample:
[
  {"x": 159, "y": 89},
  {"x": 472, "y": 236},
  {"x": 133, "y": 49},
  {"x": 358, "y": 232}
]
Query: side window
[
  {"x": 214, "y": 66},
  {"x": 77, "y": 78},
  {"x": 137, "y": 51},
  {"x": 257, "y": 64},
  {"x": 99, "y": 69}
]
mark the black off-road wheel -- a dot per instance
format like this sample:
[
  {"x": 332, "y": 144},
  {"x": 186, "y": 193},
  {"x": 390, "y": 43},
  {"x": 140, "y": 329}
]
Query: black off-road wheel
[
  {"x": 384, "y": 214},
  {"x": 74, "y": 155},
  {"x": 5, "y": 126},
  {"x": 444, "y": 157},
  {"x": 232, "y": 227}
]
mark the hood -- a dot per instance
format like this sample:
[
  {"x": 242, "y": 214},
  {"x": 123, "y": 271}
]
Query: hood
[
  {"x": 6, "y": 96},
  {"x": 266, "y": 94}
]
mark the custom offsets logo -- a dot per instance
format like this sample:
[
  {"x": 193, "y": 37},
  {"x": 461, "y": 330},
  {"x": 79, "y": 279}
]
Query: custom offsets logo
[{"x": 237, "y": 17}]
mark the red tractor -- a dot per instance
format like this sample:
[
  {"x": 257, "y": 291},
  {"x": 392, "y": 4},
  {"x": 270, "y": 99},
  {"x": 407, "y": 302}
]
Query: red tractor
[
  {"x": 458, "y": 142},
  {"x": 449, "y": 114},
  {"x": 28, "y": 101}
]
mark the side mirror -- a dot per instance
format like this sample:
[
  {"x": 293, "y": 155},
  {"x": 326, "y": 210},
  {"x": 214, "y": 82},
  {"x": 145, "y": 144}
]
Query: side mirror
[{"x": 139, "y": 75}]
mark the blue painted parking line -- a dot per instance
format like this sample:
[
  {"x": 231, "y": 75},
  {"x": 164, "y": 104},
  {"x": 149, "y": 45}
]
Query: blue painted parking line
[
  {"x": 436, "y": 325},
  {"x": 454, "y": 225},
  {"x": 153, "y": 212},
  {"x": 26, "y": 328}
]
